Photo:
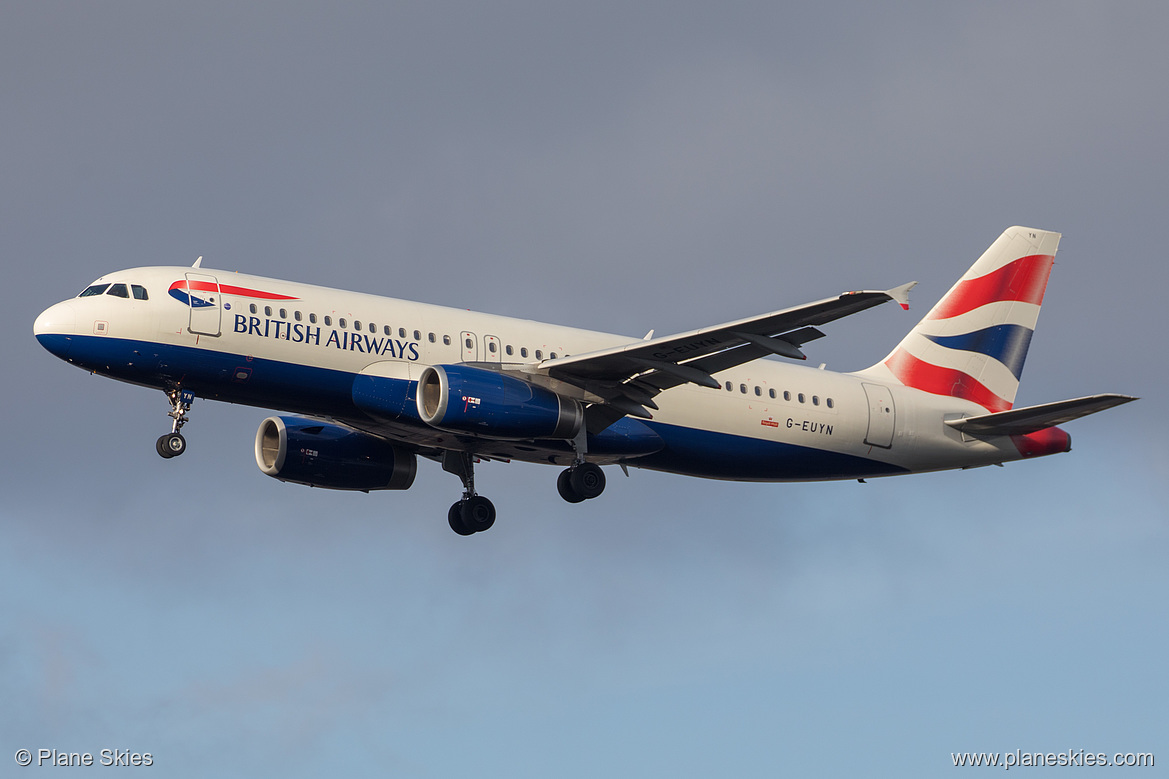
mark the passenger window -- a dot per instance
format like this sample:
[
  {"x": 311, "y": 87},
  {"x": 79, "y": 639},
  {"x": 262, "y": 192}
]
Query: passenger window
[
  {"x": 430, "y": 337},
  {"x": 758, "y": 392},
  {"x": 139, "y": 292},
  {"x": 401, "y": 332},
  {"x": 830, "y": 403},
  {"x": 787, "y": 395},
  {"x": 96, "y": 289},
  {"x": 284, "y": 313},
  {"x": 311, "y": 318},
  {"x": 815, "y": 400},
  {"x": 509, "y": 350},
  {"x": 470, "y": 344},
  {"x": 387, "y": 330},
  {"x": 730, "y": 387},
  {"x": 743, "y": 388},
  {"x": 539, "y": 355},
  {"x": 328, "y": 321},
  {"x": 800, "y": 397},
  {"x": 341, "y": 322},
  {"x": 771, "y": 392},
  {"x": 417, "y": 335},
  {"x": 523, "y": 351},
  {"x": 446, "y": 340},
  {"x": 267, "y": 311},
  {"x": 296, "y": 315},
  {"x": 491, "y": 347},
  {"x": 119, "y": 291},
  {"x": 252, "y": 308},
  {"x": 552, "y": 356},
  {"x": 356, "y": 324}
]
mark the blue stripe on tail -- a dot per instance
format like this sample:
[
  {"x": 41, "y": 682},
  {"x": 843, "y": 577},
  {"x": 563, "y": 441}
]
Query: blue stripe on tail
[{"x": 1006, "y": 343}]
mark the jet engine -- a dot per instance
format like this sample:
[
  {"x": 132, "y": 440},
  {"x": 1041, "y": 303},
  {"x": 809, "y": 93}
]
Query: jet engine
[
  {"x": 462, "y": 399},
  {"x": 303, "y": 451}
]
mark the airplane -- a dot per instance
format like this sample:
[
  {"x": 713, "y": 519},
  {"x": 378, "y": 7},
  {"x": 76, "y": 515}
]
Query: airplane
[{"x": 374, "y": 383}]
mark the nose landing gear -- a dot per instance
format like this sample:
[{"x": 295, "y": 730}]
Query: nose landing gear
[{"x": 173, "y": 444}]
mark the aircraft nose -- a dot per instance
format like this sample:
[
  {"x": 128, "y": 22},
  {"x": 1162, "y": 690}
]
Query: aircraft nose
[{"x": 54, "y": 328}]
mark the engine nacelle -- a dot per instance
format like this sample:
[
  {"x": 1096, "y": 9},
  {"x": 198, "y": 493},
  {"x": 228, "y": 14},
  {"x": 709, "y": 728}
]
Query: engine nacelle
[
  {"x": 462, "y": 399},
  {"x": 303, "y": 451}
]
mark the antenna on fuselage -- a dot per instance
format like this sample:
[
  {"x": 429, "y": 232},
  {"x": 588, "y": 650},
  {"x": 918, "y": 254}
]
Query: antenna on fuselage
[{"x": 197, "y": 262}]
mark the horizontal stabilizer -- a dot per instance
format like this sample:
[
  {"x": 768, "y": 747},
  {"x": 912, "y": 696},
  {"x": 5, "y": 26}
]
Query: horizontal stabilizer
[{"x": 1021, "y": 421}]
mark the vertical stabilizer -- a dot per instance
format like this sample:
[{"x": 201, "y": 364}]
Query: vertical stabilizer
[{"x": 972, "y": 344}]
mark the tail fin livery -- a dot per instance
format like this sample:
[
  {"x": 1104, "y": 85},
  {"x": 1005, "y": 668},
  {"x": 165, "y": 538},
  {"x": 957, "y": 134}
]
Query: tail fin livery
[{"x": 972, "y": 344}]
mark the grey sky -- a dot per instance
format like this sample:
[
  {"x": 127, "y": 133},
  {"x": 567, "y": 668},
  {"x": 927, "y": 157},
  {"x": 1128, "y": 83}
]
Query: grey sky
[{"x": 624, "y": 169}]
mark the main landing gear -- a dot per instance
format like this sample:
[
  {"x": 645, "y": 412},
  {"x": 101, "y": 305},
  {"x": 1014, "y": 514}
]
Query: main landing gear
[
  {"x": 582, "y": 481},
  {"x": 173, "y": 444},
  {"x": 474, "y": 513}
]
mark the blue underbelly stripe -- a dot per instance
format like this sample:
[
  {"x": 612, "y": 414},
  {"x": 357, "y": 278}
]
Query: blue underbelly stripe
[
  {"x": 697, "y": 452},
  {"x": 305, "y": 389}
]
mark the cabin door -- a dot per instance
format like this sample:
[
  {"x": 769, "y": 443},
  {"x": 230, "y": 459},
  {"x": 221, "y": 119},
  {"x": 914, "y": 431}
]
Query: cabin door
[
  {"x": 882, "y": 416},
  {"x": 203, "y": 296}
]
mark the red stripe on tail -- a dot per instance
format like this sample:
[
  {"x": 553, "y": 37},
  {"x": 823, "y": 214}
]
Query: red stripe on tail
[
  {"x": 937, "y": 380},
  {"x": 1023, "y": 280}
]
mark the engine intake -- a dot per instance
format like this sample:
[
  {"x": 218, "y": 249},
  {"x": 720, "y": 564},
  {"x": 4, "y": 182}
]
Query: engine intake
[
  {"x": 303, "y": 451},
  {"x": 462, "y": 399}
]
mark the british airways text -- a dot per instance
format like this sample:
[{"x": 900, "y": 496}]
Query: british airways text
[{"x": 296, "y": 332}]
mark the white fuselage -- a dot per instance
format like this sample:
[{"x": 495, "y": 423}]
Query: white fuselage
[{"x": 295, "y": 347}]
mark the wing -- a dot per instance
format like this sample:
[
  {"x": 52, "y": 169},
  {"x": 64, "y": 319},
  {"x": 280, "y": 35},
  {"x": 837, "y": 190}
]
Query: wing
[
  {"x": 1021, "y": 421},
  {"x": 625, "y": 379}
]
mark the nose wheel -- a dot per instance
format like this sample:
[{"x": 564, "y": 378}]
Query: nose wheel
[{"x": 173, "y": 444}]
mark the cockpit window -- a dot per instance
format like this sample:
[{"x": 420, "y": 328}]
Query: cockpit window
[
  {"x": 118, "y": 291},
  {"x": 96, "y": 289},
  {"x": 139, "y": 292}
]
